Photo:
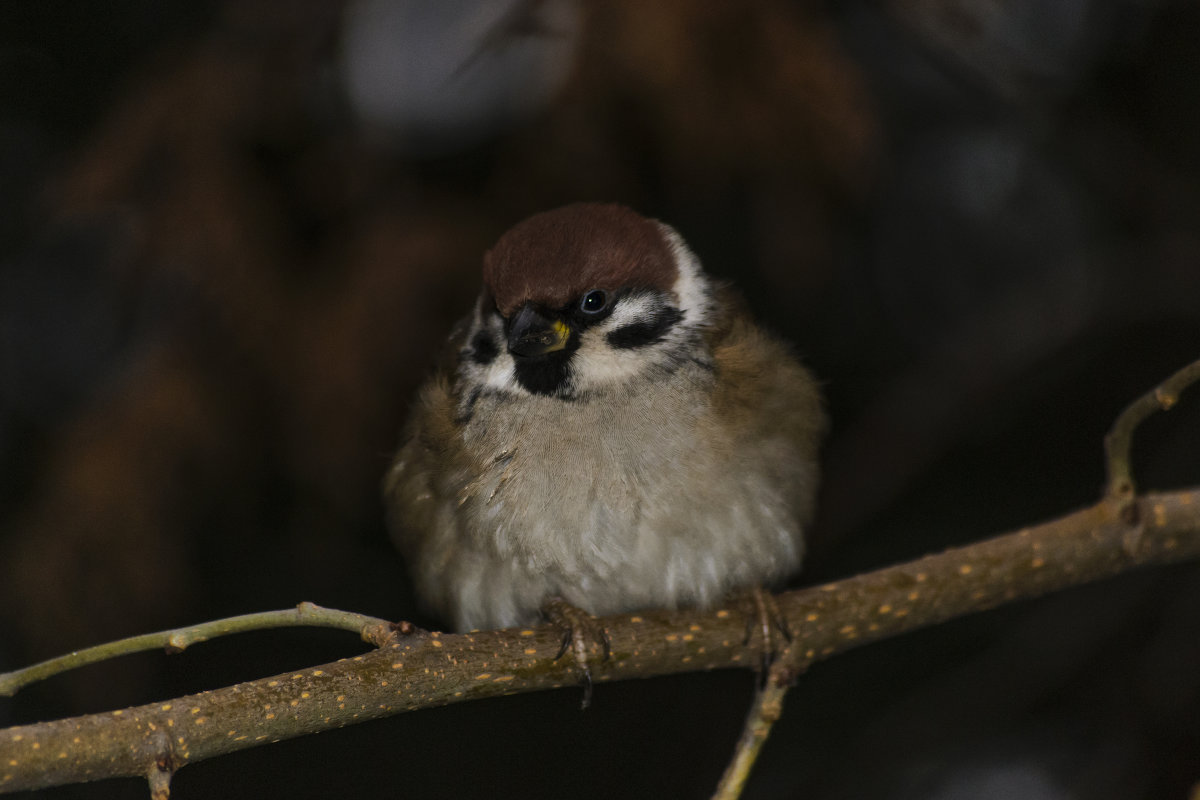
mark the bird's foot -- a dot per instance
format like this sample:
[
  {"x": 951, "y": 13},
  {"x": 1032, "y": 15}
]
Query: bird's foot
[
  {"x": 764, "y": 615},
  {"x": 581, "y": 631}
]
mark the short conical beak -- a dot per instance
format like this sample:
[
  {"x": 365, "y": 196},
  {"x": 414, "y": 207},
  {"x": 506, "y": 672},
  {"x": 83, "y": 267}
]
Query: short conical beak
[{"x": 532, "y": 334}]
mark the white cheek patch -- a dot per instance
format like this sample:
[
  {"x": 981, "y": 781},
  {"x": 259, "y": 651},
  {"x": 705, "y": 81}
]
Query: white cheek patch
[
  {"x": 499, "y": 373},
  {"x": 596, "y": 362},
  {"x": 629, "y": 310},
  {"x": 691, "y": 287}
]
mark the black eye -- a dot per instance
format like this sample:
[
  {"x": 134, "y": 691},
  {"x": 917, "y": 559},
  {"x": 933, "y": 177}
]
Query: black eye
[{"x": 594, "y": 301}]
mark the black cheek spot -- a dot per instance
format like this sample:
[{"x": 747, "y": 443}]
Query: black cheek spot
[
  {"x": 483, "y": 349},
  {"x": 640, "y": 334}
]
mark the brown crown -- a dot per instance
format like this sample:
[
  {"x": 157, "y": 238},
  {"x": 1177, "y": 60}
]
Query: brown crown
[{"x": 554, "y": 257}]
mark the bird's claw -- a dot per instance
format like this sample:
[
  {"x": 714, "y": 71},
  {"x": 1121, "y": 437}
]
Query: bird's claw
[
  {"x": 762, "y": 612},
  {"x": 580, "y": 629}
]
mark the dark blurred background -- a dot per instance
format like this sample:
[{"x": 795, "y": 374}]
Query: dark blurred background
[{"x": 233, "y": 236}]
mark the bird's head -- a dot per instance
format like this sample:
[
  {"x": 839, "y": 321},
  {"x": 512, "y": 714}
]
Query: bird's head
[{"x": 585, "y": 298}]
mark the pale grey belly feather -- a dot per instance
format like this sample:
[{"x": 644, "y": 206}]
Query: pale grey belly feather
[{"x": 611, "y": 506}]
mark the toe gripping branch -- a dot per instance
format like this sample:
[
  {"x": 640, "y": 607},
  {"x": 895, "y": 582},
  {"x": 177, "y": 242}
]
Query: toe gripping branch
[
  {"x": 763, "y": 613},
  {"x": 580, "y": 630}
]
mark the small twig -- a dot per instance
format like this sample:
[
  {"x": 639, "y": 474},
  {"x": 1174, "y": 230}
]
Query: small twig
[
  {"x": 764, "y": 713},
  {"x": 373, "y": 630},
  {"x": 1119, "y": 440},
  {"x": 160, "y": 783}
]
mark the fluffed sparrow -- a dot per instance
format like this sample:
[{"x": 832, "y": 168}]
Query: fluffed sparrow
[{"x": 610, "y": 428}]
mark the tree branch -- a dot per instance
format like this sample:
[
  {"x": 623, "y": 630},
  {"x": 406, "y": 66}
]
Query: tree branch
[
  {"x": 414, "y": 669},
  {"x": 765, "y": 711},
  {"x": 371, "y": 629},
  {"x": 425, "y": 669},
  {"x": 1119, "y": 441}
]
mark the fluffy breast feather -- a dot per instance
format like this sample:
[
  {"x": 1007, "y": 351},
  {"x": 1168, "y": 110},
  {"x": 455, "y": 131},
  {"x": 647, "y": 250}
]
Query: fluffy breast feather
[{"x": 661, "y": 493}]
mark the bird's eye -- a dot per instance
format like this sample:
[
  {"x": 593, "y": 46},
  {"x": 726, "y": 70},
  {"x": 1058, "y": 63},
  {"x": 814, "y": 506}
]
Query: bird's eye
[{"x": 594, "y": 301}]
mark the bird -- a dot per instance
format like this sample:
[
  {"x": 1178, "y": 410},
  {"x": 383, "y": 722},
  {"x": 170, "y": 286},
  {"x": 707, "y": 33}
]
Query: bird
[{"x": 608, "y": 429}]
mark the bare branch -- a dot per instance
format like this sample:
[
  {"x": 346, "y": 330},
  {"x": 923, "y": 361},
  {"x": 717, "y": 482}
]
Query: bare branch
[
  {"x": 424, "y": 669},
  {"x": 371, "y": 629},
  {"x": 765, "y": 711},
  {"x": 1119, "y": 441},
  {"x": 159, "y": 778}
]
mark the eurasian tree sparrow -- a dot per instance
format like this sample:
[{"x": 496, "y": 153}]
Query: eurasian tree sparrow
[{"x": 611, "y": 429}]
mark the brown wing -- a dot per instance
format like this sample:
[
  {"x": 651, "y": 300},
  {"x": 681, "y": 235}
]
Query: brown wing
[
  {"x": 429, "y": 447},
  {"x": 765, "y": 395}
]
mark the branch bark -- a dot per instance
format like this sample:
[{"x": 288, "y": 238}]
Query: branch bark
[{"x": 426, "y": 669}]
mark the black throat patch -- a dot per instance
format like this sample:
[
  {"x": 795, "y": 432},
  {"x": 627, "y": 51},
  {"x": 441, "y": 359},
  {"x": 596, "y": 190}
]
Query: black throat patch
[{"x": 547, "y": 374}]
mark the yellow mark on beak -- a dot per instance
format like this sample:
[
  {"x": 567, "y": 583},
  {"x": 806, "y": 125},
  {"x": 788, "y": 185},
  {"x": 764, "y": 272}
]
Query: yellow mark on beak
[
  {"x": 532, "y": 334},
  {"x": 561, "y": 332}
]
